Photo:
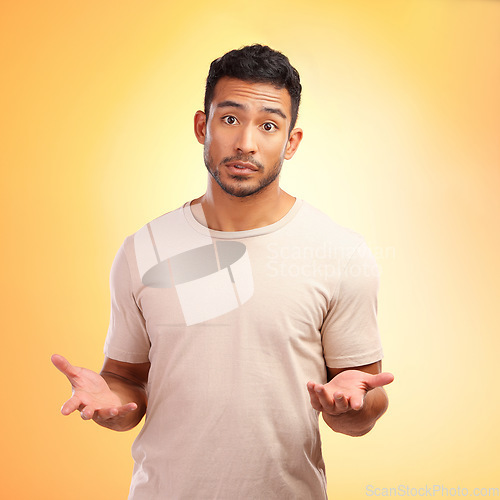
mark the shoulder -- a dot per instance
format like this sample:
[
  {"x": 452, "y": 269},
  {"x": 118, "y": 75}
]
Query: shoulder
[
  {"x": 172, "y": 220},
  {"x": 174, "y": 234},
  {"x": 142, "y": 244},
  {"x": 320, "y": 228}
]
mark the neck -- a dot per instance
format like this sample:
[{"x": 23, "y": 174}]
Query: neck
[{"x": 224, "y": 212}]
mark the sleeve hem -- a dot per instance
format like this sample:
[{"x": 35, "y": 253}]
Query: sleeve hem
[
  {"x": 357, "y": 360},
  {"x": 127, "y": 357}
]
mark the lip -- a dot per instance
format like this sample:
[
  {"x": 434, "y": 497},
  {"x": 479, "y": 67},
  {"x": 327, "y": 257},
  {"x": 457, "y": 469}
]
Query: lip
[{"x": 242, "y": 165}]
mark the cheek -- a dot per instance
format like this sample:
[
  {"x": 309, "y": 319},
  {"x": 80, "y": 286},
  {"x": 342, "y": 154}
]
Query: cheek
[
  {"x": 274, "y": 149},
  {"x": 219, "y": 141}
]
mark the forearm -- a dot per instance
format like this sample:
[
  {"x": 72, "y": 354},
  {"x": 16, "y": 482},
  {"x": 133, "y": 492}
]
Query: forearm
[
  {"x": 360, "y": 422},
  {"x": 127, "y": 391}
]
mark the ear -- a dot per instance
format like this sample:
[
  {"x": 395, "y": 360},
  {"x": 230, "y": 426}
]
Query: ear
[
  {"x": 200, "y": 126},
  {"x": 293, "y": 142}
]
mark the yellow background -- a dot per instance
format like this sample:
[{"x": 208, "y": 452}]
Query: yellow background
[{"x": 401, "y": 114}]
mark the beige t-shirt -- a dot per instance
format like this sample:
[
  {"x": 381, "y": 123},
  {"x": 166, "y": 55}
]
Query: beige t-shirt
[{"x": 235, "y": 324}]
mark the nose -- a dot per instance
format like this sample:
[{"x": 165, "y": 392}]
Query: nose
[{"x": 246, "y": 140}]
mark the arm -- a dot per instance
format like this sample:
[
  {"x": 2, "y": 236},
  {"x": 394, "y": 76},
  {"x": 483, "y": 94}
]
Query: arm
[
  {"x": 353, "y": 399},
  {"x": 128, "y": 381},
  {"x": 115, "y": 399}
]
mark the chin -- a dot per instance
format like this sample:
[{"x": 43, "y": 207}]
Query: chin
[{"x": 240, "y": 191}]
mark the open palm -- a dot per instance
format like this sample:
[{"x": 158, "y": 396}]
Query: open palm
[
  {"x": 346, "y": 391},
  {"x": 91, "y": 394}
]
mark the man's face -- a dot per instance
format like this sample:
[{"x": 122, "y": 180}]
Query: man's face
[{"x": 246, "y": 136}]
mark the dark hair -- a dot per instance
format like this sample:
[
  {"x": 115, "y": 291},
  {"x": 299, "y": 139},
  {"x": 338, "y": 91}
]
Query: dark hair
[{"x": 259, "y": 64}]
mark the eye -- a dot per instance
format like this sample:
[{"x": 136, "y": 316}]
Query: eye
[
  {"x": 230, "y": 120},
  {"x": 269, "y": 127}
]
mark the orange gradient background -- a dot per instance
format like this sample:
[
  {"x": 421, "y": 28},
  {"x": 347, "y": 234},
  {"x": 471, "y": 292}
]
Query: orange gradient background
[{"x": 401, "y": 119}]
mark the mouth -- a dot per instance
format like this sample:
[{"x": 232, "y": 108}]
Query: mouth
[{"x": 242, "y": 167}]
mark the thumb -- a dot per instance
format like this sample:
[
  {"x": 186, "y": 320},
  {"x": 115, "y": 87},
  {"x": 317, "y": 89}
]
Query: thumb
[
  {"x": 380, "y": 379},
  {"x": 63, "y": 365}
]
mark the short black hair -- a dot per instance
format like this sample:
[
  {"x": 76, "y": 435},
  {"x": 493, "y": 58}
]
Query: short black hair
[{"x": 257, "y": 64}]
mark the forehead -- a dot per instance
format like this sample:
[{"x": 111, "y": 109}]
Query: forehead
[{"x": 251, "y": 94}]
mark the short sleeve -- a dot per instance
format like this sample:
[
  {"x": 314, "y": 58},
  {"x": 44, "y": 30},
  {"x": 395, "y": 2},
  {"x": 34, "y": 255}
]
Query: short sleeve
[
  {"x": 350, "y": 332},
  {"x": 127, "y": 339}
]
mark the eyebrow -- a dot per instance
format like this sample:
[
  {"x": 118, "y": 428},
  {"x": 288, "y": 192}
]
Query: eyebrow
[
  {"x": 275, "y": 111},
  {"x": 233, "y": 104}
]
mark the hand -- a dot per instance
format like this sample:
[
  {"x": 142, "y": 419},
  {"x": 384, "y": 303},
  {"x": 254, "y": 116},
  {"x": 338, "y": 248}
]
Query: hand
[
  {"x": 346, "y": 391},
  {"x": 91, "y": 395}
]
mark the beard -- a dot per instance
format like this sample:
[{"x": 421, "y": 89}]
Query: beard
[{"x": 242, "y": 185}]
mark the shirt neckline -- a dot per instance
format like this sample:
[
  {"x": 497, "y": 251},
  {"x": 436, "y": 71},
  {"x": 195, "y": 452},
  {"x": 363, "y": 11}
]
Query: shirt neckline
[{"x": 232, "y": 235}]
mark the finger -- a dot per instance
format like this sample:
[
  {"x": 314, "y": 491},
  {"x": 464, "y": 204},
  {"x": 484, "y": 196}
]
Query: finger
[
  {"x": 380, "y": 379},
  {"x": 63, "y": 365},
  {"x": 71, "y": 405},
  {"x": 87, "y": 413},
  {"x": 325, "y": 399},
  {"x": 356, "y": 402},
  {"x": 108, "y": 413},
  {"x": 311, "y": 386},
  {"x": 341, "y": 403},
  {"x": 314, "y": 397}
]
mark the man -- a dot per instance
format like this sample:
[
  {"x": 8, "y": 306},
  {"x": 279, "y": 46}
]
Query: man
[{"x": 238, "y": 317}]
